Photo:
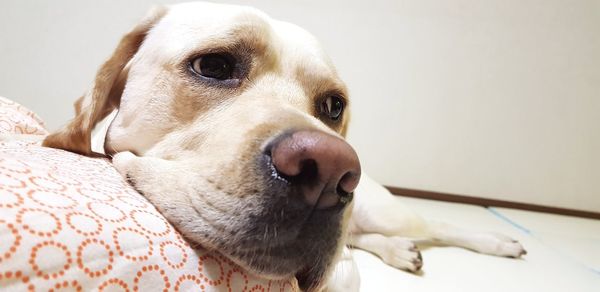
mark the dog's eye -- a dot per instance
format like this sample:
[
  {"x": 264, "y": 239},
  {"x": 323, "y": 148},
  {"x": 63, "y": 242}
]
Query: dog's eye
[
  {"x": 215, "y": 66},
  {"x": 332, "y": 107}
]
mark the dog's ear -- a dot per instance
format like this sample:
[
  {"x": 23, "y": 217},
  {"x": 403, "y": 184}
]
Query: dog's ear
[{"x": 105, "y": 94}]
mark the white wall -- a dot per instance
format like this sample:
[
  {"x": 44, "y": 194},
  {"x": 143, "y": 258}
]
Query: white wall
[{"x": 496, "y": 98}]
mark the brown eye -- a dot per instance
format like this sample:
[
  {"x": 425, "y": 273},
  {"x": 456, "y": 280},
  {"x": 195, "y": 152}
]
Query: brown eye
[
  {"x": 214, "y": 66},
  {"x": 332, "y": 107}
]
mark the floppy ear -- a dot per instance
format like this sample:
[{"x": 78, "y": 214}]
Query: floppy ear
[{"x": 106, "y": 91}]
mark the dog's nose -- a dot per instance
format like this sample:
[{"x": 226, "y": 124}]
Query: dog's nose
[{"x": 324, "y": 167}]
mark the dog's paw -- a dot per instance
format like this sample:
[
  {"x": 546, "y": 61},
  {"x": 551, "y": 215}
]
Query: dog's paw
[
  {"x": 122, "y": 161},
  {"x": 501, "y": 245},
  {"x": 512, "y": 249},
  {"x": 403, "y": 254}
]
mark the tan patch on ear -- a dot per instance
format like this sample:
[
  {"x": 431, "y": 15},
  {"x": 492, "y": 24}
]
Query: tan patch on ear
[
  {"x": 78, "y": 105},
  {"x": 106, "y": 91}
]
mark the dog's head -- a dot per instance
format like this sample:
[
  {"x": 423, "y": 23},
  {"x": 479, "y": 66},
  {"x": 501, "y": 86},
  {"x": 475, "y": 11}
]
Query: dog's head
[{"x": 249, "y": 114}]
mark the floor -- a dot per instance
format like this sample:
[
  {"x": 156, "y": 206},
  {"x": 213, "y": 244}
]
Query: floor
[{"x": 563, "y": 254}]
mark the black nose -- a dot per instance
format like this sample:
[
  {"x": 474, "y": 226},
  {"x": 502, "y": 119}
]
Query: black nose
[{"x": 324, "y": 167}]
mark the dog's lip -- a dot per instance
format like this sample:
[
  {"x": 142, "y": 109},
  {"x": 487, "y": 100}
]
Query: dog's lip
[
  {"x": 307, "y": 280},
  {"x": 302, "y": 276},
  {"x": 269, "y": 269}
]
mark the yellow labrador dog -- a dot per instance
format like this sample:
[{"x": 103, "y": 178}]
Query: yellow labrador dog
[{"x": 231, "y": 123}]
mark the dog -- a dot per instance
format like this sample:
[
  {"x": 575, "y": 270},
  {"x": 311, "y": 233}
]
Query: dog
[{"x": 232, "y": 124}]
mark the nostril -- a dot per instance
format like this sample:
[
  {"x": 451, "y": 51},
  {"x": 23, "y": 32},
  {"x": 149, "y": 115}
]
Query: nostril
[
  {"x": 344, "y": 197},
  {"x": 346, "y": 186},
  {"x": 348, "y": 182},
  {"x": 309, "y": 172}
]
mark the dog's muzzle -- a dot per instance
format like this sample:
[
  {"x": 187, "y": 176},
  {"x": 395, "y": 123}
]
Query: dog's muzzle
[{"x": 295, "y": 225}]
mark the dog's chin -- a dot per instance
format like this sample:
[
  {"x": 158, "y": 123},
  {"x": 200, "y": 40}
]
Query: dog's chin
[
  {"x": 309, "y": 274},
  {"x": 303, "y": 253},
  {"x": 262, "y": 265},
  {"x": 280, "y": 262},
  {"x": 303, "y": 244}
]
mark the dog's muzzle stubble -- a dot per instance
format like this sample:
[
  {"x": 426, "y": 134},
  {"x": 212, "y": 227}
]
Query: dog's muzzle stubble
[{"x": 297, "y": 192}]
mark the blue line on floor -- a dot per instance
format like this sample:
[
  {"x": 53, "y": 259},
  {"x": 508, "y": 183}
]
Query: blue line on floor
[
  {"x": 527, "y": 231},
  {"x": 507, "y": 220}
]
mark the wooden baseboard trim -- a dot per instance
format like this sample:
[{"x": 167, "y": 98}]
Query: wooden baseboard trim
[{"x": 489, "y": 202}]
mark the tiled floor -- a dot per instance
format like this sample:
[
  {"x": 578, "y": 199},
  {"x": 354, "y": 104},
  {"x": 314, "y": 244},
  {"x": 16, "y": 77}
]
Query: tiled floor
[{"x": 563, "y": 254}]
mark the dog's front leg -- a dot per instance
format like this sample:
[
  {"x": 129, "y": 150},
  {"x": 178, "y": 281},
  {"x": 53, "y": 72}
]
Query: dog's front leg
[
  {"x": 382, "y": 225},
  {"x": 381, "y": 220},
  {"x": 483, "y": 242},
  {"x": 395, "y": 251}
]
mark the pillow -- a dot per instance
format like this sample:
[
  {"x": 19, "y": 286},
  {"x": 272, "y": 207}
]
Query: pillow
[
  {"x": 71, "y": 222},
  {"x": 17, "y": 119}
]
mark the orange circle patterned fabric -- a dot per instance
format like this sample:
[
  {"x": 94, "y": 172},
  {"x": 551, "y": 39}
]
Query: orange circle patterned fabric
[
  {"x": 70, "y": 222},
  {"x": 17, "y": 119}
]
